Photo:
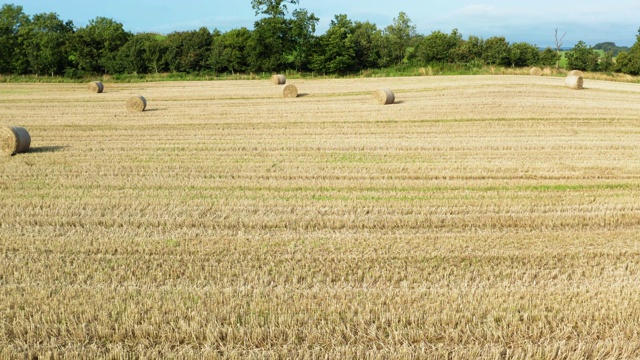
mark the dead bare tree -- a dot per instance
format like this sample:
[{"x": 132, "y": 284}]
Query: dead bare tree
[{"x": 559, "y": 45}]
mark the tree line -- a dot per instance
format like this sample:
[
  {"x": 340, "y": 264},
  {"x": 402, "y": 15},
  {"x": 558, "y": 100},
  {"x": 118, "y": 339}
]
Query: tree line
[{"x": 44, "y": 44}]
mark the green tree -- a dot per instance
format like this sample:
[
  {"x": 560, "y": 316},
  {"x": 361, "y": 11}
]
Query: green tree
[
  {"x": 12, "y": 18},
  {"x": 438, "y": 47},
  {"x": 496, "y": 51},
  {"x": 278, "y": 42},
  {"x": 548, "y": 57},
  {"x": 45, "y": 42},
  {"x": 270, "y": 44},
  {"x": 216, "y": 62},
  {"x": 142, "y": 54},
  {"x": 399, "y": 36},
  {"x": 96, "y": 46},
  {"x": 131, "y": 57},
  {"x": 272, "y": 8},
  {"x": 188, "y": 51},
  {"x": 154, "y": 51},
  {"x": 303, "y": 28},
  {"x": 629, "y": 61},
  {"x": 468, "y": 51},
  {"x": 622, "y": 61},
  {"x": 606, "y": 62},
  {"x": 582, "y": 57},
  {"x": 337, "y": 53},
  {"x": 367, "y": 42},
  {"x": 229, "y": 51},
  {"x": 523, "y": 54}
]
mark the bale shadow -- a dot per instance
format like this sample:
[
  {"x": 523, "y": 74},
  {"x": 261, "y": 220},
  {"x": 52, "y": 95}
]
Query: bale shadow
[
  {"x": 46, "y": 149},
  {"x": 399, "y": 102},
  {"x": 303, "y": 95}
]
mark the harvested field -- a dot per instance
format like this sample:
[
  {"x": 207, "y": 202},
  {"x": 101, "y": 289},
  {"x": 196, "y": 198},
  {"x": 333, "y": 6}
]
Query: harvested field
[{"x": 479, "y": 217}]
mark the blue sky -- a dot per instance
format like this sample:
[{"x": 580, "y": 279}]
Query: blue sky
[{"x": 592, "y": 21}]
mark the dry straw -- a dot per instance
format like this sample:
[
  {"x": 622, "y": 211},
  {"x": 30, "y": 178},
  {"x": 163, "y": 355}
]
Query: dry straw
[
  {"x": 136, "y": 103},
  {"x": 96, "y": 87},
  {"x": 428, "y": 71},
  {"x": 278, "y": 79},
  {"x": 290, "y": 91},
  {"x": 535, "y": 71},
  {"x": 574, "y": 82},
  {"x": 384, "y": 96},
  {"x": 14, "y": 139},
  {"x": 575, "y": 73}
]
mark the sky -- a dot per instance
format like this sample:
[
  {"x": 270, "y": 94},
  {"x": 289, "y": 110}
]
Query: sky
[{"x": 534, "y": 22}]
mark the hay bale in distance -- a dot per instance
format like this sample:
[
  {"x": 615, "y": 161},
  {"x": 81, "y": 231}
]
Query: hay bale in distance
[
  {"x": 96, "y": 87},
  {"x": 14, "y": 140},
  {"x": 384, "y": 96},
  {"x": 574, "y": 82},
  {"x": 575, "y": 73},
  {"x": 535, "y": 71},
  {"x": 136, "y": 103},
  {"x": 289, "y": 91},
  {"x": 278, "y": 79}
]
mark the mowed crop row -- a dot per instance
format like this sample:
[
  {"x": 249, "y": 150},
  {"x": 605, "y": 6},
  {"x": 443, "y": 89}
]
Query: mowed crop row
[{"x": 476, "y": 217}]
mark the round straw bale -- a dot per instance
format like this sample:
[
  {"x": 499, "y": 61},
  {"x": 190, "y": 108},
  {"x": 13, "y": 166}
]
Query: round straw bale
[
  {"x": 575, "y": 73},
  {"x": 136, "y": 103},
  {"x": 535, "y": 71},
  {"x": 384, "y": 96},
  {"x": 96, "y": 87},
  {"x": 14, "y": 139},
  {"x": 574, "y": 82},
  {"x": 290, "y": 91},
  {"x": 278, "y": 79}
]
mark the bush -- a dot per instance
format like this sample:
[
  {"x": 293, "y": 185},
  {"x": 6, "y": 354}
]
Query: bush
[
  {"x": 523, "y": 54},
  {"x": 582, "y": 57},
  {"x": 549, "y": 57}
]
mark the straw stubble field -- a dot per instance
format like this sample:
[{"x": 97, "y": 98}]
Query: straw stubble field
[{"x": 477, "y": 217}]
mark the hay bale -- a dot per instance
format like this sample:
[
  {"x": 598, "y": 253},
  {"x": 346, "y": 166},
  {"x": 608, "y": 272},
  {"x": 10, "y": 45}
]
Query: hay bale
[
  {"x": 278, "y": 79},
  {"x": 136, "y": 103},
  {"x": 535, "y": 71},
  {"x": 289, "y": 91},
  {"x": 14, "y": 140},
  {"x": 384, "y": 96},
  {"x": 96, "y": 87},
  {"x": 574, "y": 82},
  {"x": 575, "y": 73}
]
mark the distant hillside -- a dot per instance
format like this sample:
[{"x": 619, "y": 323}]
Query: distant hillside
[{"x": 611, "y": 46}]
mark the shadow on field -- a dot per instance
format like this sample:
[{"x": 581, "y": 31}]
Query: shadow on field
[
  {"x": 303, "y": 95},
  {"x": 399, "y": 102},
  {"x": 45, "y": 149}
]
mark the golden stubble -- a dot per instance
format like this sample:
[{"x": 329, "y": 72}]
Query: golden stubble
[{"x": 477, "y": 217}]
